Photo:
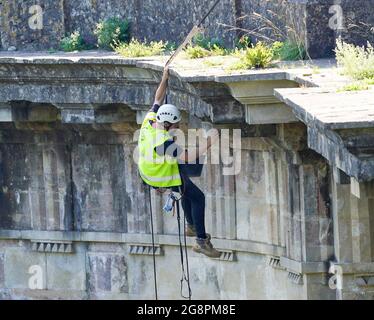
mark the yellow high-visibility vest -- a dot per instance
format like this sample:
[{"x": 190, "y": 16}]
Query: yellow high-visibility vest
[{"x": 155, "y": 170}]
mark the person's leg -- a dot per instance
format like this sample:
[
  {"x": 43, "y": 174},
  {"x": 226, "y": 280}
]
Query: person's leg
[
  {"x": 187, "y": 209},
  {"x": 194, "y": 200}
]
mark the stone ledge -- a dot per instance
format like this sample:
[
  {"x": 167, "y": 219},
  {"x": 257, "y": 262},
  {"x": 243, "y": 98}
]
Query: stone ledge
[
  {"x": 298, "y": 267},
  {"x": 275, "y": 263},
  {"x": 322, "y": 122},
  {"x": 228, "y": 255},
  {"x": 227, "y": 246},
  {"x": 295, "y": 277},
  {"x": 52, "y": 246},
  {"x": 330, "y": 109},
  {"x": 145, "y": 249},
  {"x": 355, "y": 268},
  {"x": 146, "y": 70},
  {"x": 284, "y": 72}
]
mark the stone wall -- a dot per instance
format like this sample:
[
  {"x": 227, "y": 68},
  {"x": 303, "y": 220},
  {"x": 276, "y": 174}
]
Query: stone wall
[
  {"x": 300, "y": 206},
  {"x": 71, "y": 198},
  {"x": 153, "y": 20},
  {"x": 16, "y": 19},
  {"x": 80, "y": 187},
  {"x": 44, "y": 195},
  {"x": 358, "y": 25},
  {"x": 172, "y": 20}
]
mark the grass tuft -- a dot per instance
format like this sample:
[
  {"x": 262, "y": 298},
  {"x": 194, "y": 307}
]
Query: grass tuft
[
  {"x": 73, "y": 42},
  {"x": 356, "y": 62},
  {"x": 136, "y": 49}
]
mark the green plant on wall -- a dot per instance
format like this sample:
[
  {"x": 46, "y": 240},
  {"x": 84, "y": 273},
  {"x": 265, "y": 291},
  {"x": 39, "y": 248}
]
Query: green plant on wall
[
  {"x": 356, "y": 62},
  {"x": 207, "y": 43},
  {"x": 135, "y": 48},
  {"x": 243, "y": 42},
  {"x": 202, "y": 47},
  {"x": 73, "y": 42},
  {"x": 288, "y": 51},
  {"x": 112, "y": 32},
  {"x": 355, "y": 86},
  {"x": 258, "y": 56},
  {"x": 197, "y": 52}
]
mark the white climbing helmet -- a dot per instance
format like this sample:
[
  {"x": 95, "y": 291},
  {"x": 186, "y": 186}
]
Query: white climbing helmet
[{"x": 169, "y": 113}]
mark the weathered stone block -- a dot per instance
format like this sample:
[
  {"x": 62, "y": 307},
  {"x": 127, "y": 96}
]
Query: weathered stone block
[
  {"x": 320, "y": 37},
  {"x": 35, "y": 195},
  {"x": 66, "y": 272},
  {"x": 2, "y": 277},
  {"x": 24, "y": 269},
  {"x": 293, "y": 136},
  {"x": 103, "y": 190},
  {"x": 5, "y": 113},
  {"x": 268, "y": 114},
  {"x": 358, "y": 22},
  {"x": 107, "y": 273},
  {"x": 316, "y": 287},
  {"x": 82, "y": 116},
  {"x": 252, "y": 201},
  {"x": 30, "y": 25}
]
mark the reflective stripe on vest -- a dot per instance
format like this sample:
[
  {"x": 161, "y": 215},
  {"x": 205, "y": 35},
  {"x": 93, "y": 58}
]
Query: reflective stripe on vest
[{"x": 160, "y": 179}]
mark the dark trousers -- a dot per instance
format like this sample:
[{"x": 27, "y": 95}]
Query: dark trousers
[{"x": 193, "y": 204}]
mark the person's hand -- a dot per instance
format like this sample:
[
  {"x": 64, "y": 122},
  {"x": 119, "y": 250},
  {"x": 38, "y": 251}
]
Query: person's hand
[{"x": 161, "y": 190}]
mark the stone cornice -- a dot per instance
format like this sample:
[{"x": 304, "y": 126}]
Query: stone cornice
[
  {"x": 130, "y": 238},
  {"x": 234, "y": 98}
]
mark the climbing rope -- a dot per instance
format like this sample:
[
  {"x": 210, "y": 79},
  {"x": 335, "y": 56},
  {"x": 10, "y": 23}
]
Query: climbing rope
[
  {"x": 153, "y": 246},
  {"x": 195, "y": 30},
  {"x": 185, "y": 278},
  {"x": 185, "y": 270},
  {"x": 209, "y": 12}
]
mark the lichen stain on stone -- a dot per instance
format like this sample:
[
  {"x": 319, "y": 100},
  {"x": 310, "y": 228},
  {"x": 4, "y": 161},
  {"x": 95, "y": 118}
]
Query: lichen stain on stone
[
  {"x": 100, "y": 267},
  {"x": 212, "y": 278},
  {"x": 120, "y": 278}
]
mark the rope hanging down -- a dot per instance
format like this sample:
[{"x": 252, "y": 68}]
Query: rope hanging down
[
  {"x": 185, "y": 271},
  {"x": 153, "y": 245},
  {"x": 183, "y": 255},
  {"x": 195, "y": 30}
]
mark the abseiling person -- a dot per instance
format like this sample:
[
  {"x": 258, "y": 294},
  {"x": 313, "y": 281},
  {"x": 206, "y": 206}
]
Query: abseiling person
[{"x": 159, "y": 157}]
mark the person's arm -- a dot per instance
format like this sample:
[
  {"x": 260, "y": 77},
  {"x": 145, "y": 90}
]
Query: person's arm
[
  {"x": 161, "y": 91},
  {"x": 193, "y": 154},
  {"x": 169, "y": 148},
  {"x": 172, "y": 149},
  {"x": 160, "y": 94}
]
